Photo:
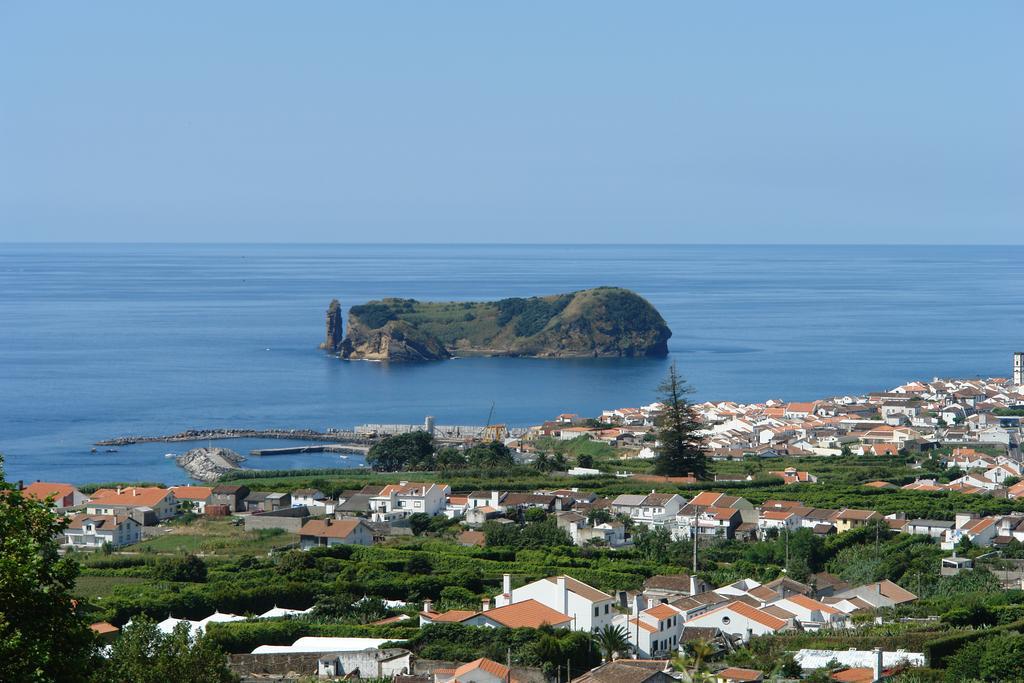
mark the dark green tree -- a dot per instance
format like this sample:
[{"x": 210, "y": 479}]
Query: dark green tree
[
  {"x": 188, "y": 568},
  {"x": 542, "y": 463},
  {"x": 418, "y": 564},
  {"x": 449, "y": 458},
  {"x": 419, "y": 522},
  {"x": 496, "y": 535},
  {"x": 653, "y": 544},
  {"x": 145, "y": 655},
  {"x": 42, "y": 638},
  {"x": 399, "y": 452},
  {"x": 584, "y": 460},
  {"x": 680, "y": 444},
  {"x": 491, "y": 455}
]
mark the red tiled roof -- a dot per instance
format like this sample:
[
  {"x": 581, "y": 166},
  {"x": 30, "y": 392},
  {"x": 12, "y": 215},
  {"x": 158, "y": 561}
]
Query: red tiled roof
[
  {"x": 528, "y": 614},
  {"x": 330, "y": 528},
  {"x": 130, "y": 497},
  {"x": 41, "y": 490},
  {"x": 490, "y": 666},
  {"x": 752, "y": 613}
]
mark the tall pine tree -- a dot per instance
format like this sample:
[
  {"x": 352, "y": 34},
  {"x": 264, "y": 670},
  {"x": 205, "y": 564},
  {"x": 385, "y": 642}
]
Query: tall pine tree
[{"x": 680, "y": 443}]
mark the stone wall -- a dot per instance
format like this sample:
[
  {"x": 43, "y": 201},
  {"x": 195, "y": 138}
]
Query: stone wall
[{"x": 290, "y": 520}]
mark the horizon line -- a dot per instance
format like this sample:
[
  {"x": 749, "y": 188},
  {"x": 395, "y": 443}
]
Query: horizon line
[{"x": 504, "y": 244}]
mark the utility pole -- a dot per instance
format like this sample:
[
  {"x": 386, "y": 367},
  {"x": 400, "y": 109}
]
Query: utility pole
[
  {"x": 787, "y": 548},
  {"x": 696, "y": 513}
]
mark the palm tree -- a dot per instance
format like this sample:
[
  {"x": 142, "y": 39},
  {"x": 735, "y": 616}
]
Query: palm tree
[
  {"x": 701, "y": 649},
  {"x": 611, "y": 641},
  {"x": 542, "y": 463},
  {"x": 691, "y": 668}
]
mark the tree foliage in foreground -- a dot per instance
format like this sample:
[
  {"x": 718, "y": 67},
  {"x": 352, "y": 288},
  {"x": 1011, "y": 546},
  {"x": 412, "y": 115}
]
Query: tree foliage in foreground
[
  {"x": 680, "y": 443},
  {"x": 41, "y": 636},
  {"x": 145, "y": 655}
]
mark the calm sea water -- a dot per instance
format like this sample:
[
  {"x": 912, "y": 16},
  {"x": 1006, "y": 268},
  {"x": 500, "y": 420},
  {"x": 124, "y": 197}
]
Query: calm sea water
[{"x": 103, "y": 340}]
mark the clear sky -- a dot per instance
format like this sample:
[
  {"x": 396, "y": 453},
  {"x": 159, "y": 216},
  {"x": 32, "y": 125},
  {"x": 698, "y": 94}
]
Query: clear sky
[{"x": 855, "y": 122}]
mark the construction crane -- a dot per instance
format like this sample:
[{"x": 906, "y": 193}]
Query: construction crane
[{"x": 496, "y": 432}]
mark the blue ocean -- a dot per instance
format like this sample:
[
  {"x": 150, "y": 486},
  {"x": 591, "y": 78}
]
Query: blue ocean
[{"x": 98, "y": 341}]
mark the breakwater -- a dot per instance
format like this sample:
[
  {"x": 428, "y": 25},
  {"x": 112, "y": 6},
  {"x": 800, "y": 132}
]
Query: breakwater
[
  {"x": 319, "y": 448},
  {"x": 215, "y": 434}
]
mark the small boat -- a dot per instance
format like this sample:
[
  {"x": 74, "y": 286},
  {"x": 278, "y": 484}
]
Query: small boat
[
  {"x": 111, "y": 450},
  {"x": 343, "y": 457},
  {"x": 93, "y": 450},
  {"x": 170, "y": 455}
]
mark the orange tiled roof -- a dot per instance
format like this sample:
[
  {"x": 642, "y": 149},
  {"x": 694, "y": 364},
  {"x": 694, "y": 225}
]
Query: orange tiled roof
[
  {"x": 490, "y": 666},
  {"x": 739, "y": 675},
  {"x": 526, "y": 614},
  {"x": 452, "y": 615},
  {"x": 41, "y": 490},
  {"x": 131, "y": 497},
  {"x": 662, "y": 611},
  {"x": 330, "y": 528},
  {"x": 192, "y": 492},
  {"x": 752, "y": 613}
]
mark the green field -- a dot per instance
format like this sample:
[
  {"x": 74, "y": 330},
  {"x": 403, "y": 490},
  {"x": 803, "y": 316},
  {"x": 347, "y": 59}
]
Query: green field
[
  {"x": 215, "y": 537},
  {"x": 91, "y": 587}
]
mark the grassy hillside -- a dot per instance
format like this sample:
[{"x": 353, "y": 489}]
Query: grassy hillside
[{"x": 605, "y": 321}]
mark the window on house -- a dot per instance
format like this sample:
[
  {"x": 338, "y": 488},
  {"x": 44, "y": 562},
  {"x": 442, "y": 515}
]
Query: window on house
[
  {"x": 606, "y": 609},
  {"x": 597, "y": 611}
]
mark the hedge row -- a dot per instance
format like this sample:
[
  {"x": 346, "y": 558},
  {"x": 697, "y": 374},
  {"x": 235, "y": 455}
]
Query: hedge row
[{"x": 936, "y": 652}]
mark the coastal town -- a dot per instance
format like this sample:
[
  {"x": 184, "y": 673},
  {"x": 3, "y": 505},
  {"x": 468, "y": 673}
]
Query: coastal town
[{"x": 683, "y": 606}]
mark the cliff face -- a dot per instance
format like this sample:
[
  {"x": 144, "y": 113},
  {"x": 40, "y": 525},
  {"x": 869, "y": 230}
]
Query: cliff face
[
  {"x": 606, "y": 322},
  {"x": 335, "y": 334}
]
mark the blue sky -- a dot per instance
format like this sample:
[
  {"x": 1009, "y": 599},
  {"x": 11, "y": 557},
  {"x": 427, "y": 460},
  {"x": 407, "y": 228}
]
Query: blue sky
[{"x": 774, "y": 122}]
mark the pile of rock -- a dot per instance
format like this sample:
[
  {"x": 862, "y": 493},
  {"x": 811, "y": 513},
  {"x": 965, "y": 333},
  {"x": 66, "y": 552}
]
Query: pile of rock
[{"x": 208, "y": 464}]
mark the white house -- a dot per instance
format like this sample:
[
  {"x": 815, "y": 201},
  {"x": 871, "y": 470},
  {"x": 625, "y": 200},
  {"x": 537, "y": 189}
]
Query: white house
[
  {"x": 980, "y": 531},
  {"x": 811, "y": 614},
  {"x": 125, "y": 501},
  {"x": 327, "y": 532},
  {"x": 740, "y": 619},
  {"x": 307, "y": 498},
  {"x": 1002, "y": 472},
  {"x": 93, "y": 531},
  {"x": 778, "y": 520},
  {"x": 64, "y": 496},
  {"x": 396, "y": 501},
  {"x": 589, "y": 608},
  {"x": 482, "y": 670},
  {"x": 653, "y": 632}
]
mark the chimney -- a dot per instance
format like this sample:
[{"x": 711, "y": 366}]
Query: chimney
[
  {"x": 639, "y": 604},
  {"x": 562, "y": 595},
  {"x": 428, "y": 605},
  {"x": 693, "y": 585},
  {"x": 747, "y": 635},
  {"x": 506, "y": 585},
  {"x": 495, "y": 499},
  {"x": 876, "y": 665},
  {"x": 119, "y": 490},
  {"x": 327, "y": 522},
  {"x": 485, "y": 605}
]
